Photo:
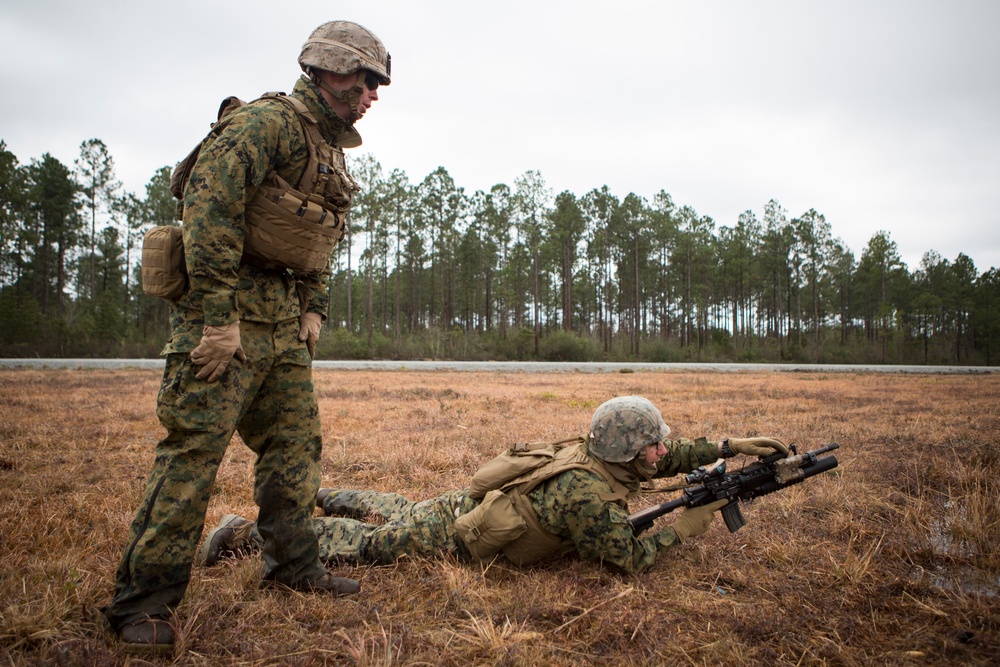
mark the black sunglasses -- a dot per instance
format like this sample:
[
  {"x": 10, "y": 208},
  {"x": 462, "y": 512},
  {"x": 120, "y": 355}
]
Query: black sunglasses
[{"x": 371, "y": 80}]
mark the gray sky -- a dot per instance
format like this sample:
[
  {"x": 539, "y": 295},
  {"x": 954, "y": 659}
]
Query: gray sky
[{"x": 878, "y": 114}]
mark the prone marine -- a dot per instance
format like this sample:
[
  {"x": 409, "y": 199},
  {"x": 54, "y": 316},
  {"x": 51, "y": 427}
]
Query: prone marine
[{"x": 537, "y": 502}]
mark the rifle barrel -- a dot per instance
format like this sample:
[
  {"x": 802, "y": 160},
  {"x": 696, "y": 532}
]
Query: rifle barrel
[{"x": 644, "y": 519}]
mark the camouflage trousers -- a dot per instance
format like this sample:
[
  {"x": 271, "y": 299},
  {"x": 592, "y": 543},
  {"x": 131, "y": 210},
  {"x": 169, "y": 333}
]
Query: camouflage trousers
[
  {"x": 270, "y": 401},
  {"x": 424, "y": 529}
]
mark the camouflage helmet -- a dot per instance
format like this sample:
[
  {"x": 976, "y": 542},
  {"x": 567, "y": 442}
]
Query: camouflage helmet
[
  {"x": 623, "y": 426},
  {"x": 344, "y": 47}
]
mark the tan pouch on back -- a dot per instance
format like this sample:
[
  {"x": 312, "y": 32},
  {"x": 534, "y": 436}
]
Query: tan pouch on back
[{"x": 164, "y": 274}]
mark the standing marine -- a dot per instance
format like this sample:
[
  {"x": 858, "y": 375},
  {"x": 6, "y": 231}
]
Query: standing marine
[
  {"x": 536, "y": 502},
  {"x": 264, "y": 202}
]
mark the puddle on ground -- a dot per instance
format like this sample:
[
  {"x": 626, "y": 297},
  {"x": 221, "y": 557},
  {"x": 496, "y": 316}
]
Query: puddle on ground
[
  {"x": 964, "y": 580},
  {"x": 958, "y": 577}
]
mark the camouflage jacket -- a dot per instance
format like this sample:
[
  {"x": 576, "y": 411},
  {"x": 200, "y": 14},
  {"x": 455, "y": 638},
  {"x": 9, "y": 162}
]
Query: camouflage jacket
[
  {"x": 569, "y": 506},
  {"x": 260, "y": 137}
]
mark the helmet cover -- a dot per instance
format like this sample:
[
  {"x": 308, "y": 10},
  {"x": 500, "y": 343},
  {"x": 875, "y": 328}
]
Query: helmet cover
[
  {"x": 622, "y": 427},
  {"x": 344, "y": 47}
]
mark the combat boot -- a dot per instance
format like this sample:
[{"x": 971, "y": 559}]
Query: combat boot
[
  {"x": 232, "y": 538},
  {"x": 325, "y": 583},
  {"x": 150, "y": 635}
]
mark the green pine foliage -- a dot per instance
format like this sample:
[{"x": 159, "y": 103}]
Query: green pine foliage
[{"x": 430, "y": 271}]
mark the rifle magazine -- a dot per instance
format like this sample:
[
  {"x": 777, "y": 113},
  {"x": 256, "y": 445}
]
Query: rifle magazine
[{"x": 733, "y": 516}]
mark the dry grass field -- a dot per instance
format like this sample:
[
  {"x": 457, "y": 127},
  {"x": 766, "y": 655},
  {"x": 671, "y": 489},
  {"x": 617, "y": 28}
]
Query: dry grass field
[{"x": 891, "y": 559}]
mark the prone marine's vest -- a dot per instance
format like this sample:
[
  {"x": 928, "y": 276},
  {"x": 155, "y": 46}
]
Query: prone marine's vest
[{"x": 522, "y": 469}]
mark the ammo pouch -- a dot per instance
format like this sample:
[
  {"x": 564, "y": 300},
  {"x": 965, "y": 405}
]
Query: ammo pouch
[
  {"x": 164, "y": 273},
  {"x": 490, "y": 526},
  {"x": 286, "y": 228}
]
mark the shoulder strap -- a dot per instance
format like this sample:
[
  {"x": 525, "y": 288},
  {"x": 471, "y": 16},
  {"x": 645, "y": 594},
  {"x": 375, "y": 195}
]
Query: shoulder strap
[{"x": 313, "y": 138}]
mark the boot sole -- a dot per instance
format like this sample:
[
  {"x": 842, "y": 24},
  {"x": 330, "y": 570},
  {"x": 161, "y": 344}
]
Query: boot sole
[{"x": 148, "y": 649}]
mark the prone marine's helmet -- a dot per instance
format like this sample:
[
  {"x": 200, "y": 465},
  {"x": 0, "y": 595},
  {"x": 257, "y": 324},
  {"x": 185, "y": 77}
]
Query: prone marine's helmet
[
  {"x": 622, "y": 427},
  {"x": 344, "y": 47}
]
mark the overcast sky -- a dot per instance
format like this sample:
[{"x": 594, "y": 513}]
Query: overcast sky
[{"x": 881, "y": 115}]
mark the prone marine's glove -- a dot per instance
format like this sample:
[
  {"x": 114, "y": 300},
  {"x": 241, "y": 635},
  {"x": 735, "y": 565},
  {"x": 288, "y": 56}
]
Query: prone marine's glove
[
  {"x": 309, "y": 326},
  {"x": 752, "y": 447},
  {"x": 217, "y": 348},
  {"x": 695, "y": 520}
]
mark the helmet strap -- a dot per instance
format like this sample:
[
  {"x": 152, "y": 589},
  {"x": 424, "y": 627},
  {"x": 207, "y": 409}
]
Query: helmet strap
[
  {"x": 642, "y": 467},
  {"x": 351, "y": 97},
  {"x": 636, "y": 470}
]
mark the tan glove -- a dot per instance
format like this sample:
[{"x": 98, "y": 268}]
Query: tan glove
[
  {"x": 309, "y": 326},
  {"x": 755, "y": 446},
  {"x": 217, "y": 348},
  {"x": 695, "y": 520}
]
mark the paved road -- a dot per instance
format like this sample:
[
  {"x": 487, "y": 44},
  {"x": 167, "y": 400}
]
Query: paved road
[{"x": 530, "y": 366}]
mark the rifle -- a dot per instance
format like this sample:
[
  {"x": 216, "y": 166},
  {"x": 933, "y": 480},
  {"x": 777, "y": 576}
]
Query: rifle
[{"x": 767, "y": 475}]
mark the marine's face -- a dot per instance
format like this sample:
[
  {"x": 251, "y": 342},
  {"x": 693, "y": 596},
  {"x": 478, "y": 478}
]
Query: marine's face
[
  {"x": 655, "y": 452},
  {"x": 369, "y": 94},
  {"x": 342, "y": 83}
]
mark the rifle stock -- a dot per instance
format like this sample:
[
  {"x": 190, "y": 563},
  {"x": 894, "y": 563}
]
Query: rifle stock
[{"x": 766, "y": 476}]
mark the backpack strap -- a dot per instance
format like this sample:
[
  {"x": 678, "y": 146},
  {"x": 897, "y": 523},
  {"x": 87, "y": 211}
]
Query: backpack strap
[
  {"x": 521, "y": 448},
  {"x": 182, "y": 171}
]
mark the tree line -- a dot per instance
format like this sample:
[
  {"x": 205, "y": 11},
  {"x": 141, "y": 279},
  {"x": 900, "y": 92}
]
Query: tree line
[{"x": 518, "y": 272}]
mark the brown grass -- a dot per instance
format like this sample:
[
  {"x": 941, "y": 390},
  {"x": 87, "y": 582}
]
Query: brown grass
[{"x": 890, "y": 559}]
